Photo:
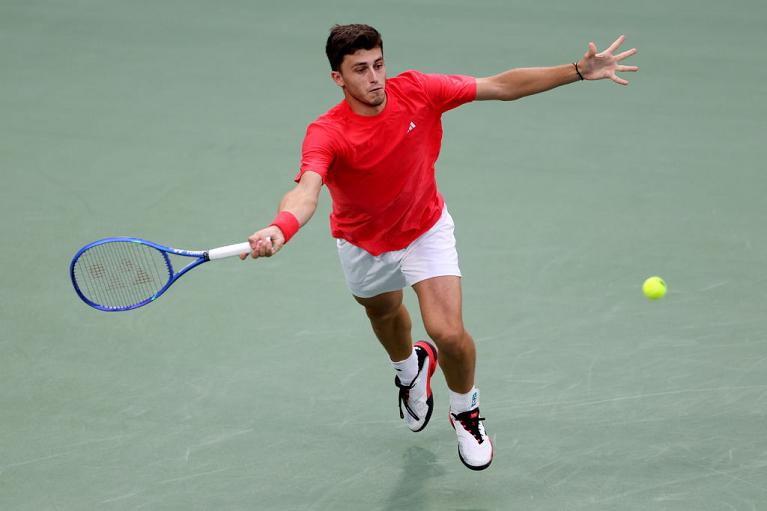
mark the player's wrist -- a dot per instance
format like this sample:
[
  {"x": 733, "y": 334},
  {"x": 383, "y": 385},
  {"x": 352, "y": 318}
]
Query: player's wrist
[
  {"x": 286, "y": 222},
  {"x": 578, "y": 70}
]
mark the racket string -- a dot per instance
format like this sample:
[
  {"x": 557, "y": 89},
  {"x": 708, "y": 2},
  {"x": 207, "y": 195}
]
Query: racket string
[
  {"x": 120, "y": 274},
  {"x": 119, "y": 278},
  {"x": 130, "y": 269}
]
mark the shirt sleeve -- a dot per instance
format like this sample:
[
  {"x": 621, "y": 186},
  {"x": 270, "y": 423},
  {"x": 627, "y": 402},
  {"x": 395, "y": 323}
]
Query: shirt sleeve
[
  {"x": 449, "y": 91},
  {"x": 317, "y": 152}
]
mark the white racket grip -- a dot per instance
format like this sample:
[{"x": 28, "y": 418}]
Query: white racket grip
[{"x": 229, "y": 251}]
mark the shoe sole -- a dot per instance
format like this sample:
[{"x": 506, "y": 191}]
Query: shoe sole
[
  {"x": 431, "y": 351},
  {"x": 474, "y": 467}
]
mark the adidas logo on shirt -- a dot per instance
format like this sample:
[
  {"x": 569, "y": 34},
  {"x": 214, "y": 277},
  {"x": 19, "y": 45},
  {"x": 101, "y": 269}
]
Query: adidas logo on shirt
[{"x": 411, "y": 127}]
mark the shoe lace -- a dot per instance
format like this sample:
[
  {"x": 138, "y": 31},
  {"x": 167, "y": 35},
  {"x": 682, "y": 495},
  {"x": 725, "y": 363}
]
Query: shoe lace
[
  {"x": 470, "y": 422},
  {"x": 404, "y": 396}
]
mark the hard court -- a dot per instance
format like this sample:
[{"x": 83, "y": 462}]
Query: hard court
[{"x": 259, "y": 385}]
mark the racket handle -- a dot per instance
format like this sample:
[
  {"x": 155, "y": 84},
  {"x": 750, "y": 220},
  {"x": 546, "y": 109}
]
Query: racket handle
[{"x": 229, "y": 251}]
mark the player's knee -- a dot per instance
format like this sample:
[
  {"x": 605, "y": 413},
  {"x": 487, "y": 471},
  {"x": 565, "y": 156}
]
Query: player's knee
[
  {"x": 382, "y": 307},
  {"x": 448, "y": 337},
  {"x": 382, "y": 311}
]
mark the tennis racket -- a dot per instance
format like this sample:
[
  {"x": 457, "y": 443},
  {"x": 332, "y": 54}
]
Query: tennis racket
[{"x": 120, "y": 274}]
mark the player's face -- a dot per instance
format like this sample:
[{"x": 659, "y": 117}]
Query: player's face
[{"x": 362, "y": 75}]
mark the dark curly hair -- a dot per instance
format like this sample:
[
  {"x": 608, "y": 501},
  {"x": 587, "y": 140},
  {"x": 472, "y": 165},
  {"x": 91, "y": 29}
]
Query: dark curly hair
[{"x": 347, "y": 39}]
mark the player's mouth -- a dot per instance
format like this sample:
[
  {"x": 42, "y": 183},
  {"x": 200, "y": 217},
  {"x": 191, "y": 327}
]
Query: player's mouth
[{"x": 377, "y": 89}]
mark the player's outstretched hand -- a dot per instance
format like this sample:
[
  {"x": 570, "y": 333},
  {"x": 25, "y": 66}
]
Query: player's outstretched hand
[
  {"x": 598, "y": 66},
  {"x": 265, "y": 243}
]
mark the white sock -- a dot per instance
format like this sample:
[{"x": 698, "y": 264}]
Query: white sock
[
  {"x": 460, "y": 403},
  {"x": 407, "y": 369}
]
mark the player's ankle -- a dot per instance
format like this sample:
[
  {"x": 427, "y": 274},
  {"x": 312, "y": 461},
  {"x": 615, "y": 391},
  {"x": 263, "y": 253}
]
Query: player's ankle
[
  {"x": 463, "y": 402},
  {"x": 407, "y": 369}
]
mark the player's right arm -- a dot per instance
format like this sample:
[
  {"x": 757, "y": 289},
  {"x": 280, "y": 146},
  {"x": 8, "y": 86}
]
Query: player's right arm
[{"x": 301, "y": 202}]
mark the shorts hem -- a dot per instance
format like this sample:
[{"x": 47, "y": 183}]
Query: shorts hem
[
  {"x": 444, "y": 273},
  {"x": 374, "y": 293}
]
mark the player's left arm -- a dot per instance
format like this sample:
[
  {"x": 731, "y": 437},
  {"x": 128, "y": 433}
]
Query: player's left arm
[{"x": 521, "y": 82}]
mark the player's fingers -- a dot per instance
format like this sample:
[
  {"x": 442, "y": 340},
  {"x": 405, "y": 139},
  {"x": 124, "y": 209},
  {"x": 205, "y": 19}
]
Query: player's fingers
[
  {"x": 618, "y": 80},
  {"x": 627, "y": 68},
  {"x": 592, "y": 50},
  {"x": 268, "y": 247},
  {"x": 261, "y": 250},
  {"x": 257, "y": 244},
  {"x": 253, "y": 240},
  {"x": 615, "y": 44},
  {"x": 626, "y": 54},
  {"x": 250, "y": 252}
]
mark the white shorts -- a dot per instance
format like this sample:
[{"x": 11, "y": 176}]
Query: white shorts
[{"x": 432, "y": 254}]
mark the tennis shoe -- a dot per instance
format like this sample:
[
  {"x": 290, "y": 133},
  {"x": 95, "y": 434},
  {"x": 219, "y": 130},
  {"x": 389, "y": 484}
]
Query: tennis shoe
[
  {"x": 474, "y": 446},
  {"x": 415, "y": 400}
]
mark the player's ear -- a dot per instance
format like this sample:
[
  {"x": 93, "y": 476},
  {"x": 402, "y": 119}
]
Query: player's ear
[{"x": 337, "y": 78}]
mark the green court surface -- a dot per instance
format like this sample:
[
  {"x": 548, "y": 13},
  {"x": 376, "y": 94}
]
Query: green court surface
[{"x": 259, "y": 385}]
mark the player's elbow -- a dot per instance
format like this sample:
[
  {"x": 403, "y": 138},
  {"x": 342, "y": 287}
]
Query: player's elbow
[{"x": 495, "y": 88}]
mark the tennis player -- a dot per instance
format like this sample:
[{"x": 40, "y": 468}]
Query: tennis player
[{"x": 375, "y": 151}]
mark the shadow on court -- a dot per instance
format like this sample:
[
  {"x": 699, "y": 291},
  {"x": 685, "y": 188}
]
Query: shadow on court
[{"x": 419, "y": 465}]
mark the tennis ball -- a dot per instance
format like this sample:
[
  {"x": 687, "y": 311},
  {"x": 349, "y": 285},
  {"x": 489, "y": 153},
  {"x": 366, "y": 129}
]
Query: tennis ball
[{"x": 654, "y": 288}]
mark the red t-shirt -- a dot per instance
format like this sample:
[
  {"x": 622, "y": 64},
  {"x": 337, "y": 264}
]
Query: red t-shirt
[{"x": 380, "y": 169}]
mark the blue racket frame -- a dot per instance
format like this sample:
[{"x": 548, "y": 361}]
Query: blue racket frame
[{"x": 200, "y": 255}]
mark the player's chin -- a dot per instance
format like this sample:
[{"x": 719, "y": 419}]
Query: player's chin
[{"x": 376, "y": 98}]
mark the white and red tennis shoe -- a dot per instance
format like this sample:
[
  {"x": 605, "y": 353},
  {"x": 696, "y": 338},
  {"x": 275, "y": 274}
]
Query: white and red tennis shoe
[
  {"x": 415, "y": 399},
  {"x": 474, "y": 446}
]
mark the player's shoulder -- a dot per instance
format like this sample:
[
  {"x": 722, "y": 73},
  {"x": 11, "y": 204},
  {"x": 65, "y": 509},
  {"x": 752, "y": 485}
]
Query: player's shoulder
[
  {"x": 410, "y": 77},
  {"x": 412, "y": 81},
  {"x": 330, "y": 120},
  {"x": 409, "y": 86},
  {"x": 328, "y": 129}
]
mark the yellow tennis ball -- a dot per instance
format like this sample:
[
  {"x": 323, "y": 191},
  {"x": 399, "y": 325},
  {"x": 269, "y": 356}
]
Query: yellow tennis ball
[{"x": 654, "y": 288}]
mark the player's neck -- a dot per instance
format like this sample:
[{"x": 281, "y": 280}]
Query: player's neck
[{"x": 364, "y": 109}]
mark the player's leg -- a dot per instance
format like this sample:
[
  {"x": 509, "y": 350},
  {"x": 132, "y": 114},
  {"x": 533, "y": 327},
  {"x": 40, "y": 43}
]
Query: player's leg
[
  {"x": 376, "y": 283},
  {"x": 431, "y": 267},
  {"x": 414, "y": 365},
  {"x": 440, "y": 301},
  {"x": 391, "y": 323}
]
